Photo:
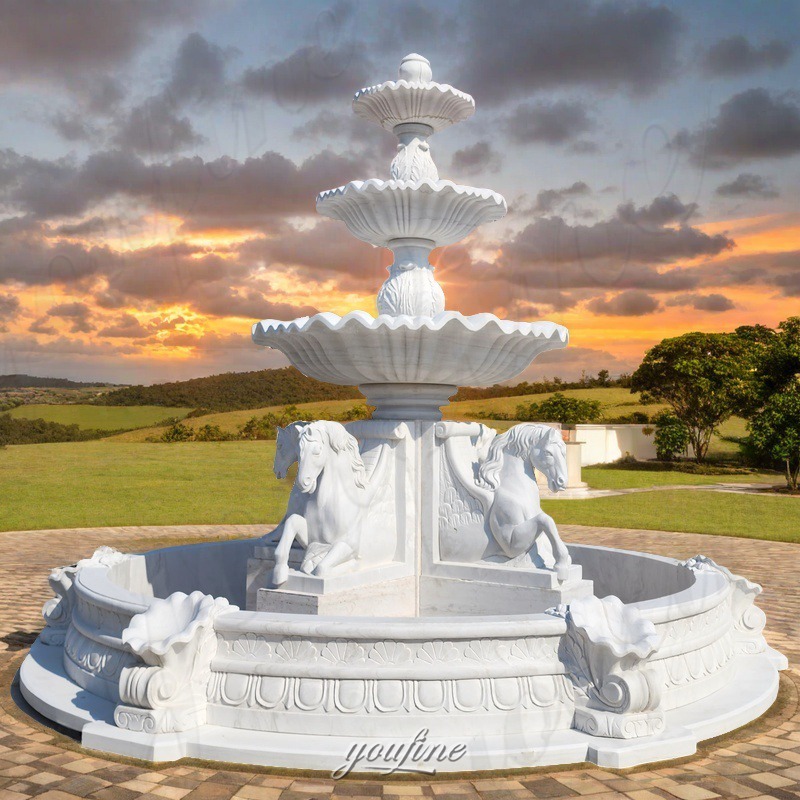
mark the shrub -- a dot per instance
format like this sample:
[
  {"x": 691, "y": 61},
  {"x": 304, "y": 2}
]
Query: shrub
[
  {"x": 672, "y": 436},
  {"x": 178, "y": 433},
  {"x": 559, "y": 408},
  {"x": 775, "y": 432},
  {"x": 211, "y": 433}
]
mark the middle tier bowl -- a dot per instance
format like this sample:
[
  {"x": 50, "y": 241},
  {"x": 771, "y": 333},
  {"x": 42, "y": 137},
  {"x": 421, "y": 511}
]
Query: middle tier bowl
[
  {"x": 449, "y": 348},
  {"x": 381, "y": 211}
]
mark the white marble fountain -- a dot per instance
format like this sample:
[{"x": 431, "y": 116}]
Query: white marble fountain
[{"x": 415, "y": 609}]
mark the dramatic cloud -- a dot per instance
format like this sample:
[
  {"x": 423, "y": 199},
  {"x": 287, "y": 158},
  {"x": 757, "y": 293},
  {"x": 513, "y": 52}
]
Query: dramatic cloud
[
  {"x": 476, "y": 159},
  {"x": 59, "y": 42},
  {"x": 631, "y": 303},
  {"x": 645, "y": 235},
  {"x": 516, "y": 48},
  {"x": 198, "y": 73},
  {"x": 125, "y": 327},
  {"x": 78, "y": 314},
  {"x": 154, "y": 127},
  {"x": 752, "y": 124},
  {"x": 311, "y": 75},
  {"x": 221, "y": 193},
  {"x": 9, "y": 310},
  {"x": 551, "y": 123},
  {"x": 736, "y": 56},
  {"x": 746, "y": 184},
  {"x": 549, "y": 199},
  {"x": 715, "y": 303}
]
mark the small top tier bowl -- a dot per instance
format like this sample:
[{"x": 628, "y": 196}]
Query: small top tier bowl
[
  {"x": 442, "y": 212},
  {"x": 409, "y": 366},
  {"x": 414, "y": 99}
]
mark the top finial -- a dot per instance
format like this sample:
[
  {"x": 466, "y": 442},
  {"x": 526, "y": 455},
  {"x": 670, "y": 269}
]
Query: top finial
[{"x": 415, "y": 68}]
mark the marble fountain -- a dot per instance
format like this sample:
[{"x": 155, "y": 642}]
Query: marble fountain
[{"x": 415, "y": 610}]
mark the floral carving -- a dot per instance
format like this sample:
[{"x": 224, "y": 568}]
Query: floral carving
[
  {"x": 342, "y": 652},
  {"x": 292, "y": 650},
  {"x": 251, "y": 647},
  {"x": 390, "y": 653},
  {"x": 437, "y": 652}
]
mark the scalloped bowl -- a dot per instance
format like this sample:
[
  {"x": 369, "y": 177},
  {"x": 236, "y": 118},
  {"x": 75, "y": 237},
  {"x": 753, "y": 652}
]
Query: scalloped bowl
[
  {"x": 378, "y": 211},
  {"x": 393, "y": 103},
  {"x": 448, "y": 348}
]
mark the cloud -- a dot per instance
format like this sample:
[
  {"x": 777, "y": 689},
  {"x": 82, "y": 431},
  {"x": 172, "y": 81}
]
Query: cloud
[
  {"x": 64, "y": 42},
  {"x": 155, "y": 128},
  {"x": 555, "y": 122},
  {"x": 513, "y": 49},
  {"x": 78, "y": 314},
  {"x": 9, "y": 310},
  {"x": 311, "y": 75},
  {"x": 630, "y": 303},
  {"x": 225, "y": 193},
  {"x": 476, "y": 159},
  {"x": 549, "y": 199},
  {"x": 752, "y": 124},
  {"x": 746, "y": 184},
  {"x": 125, "y": 327},
  {"x": 198, "y": 72},
  {"x": 714, "y": 303},
  {"x": 41, "y": 326},
  {"x": 625, "y": 246},
  {"x": 735, "y": 55}
]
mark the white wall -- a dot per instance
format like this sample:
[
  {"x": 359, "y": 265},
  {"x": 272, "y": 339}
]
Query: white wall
[{"x": 603, "y": 444}]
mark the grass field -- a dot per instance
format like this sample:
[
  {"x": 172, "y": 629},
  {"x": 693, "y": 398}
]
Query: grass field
[
  {"x": 722, "y": 514},
  {"x": 609, "y": 478},
  {"x": 103, "y": 418},
  {"x": 87, "y": 484}
]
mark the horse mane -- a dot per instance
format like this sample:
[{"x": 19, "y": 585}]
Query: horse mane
[
  {"x": 516, "y": 441},
  {"x": 341, "y": 441}
]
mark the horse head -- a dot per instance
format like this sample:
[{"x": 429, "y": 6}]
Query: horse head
[
  {"x": 318, "y": 443},
  {"x": 549, "y": 456},
  {"x": 287, "y": 448}
]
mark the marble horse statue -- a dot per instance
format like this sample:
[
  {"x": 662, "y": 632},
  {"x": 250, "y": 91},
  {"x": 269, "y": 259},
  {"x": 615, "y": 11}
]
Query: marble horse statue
[
  {"x": 329, "y": 501},
  {"x": 287, "y": 452},
  {"x": 505, "y": 486}
]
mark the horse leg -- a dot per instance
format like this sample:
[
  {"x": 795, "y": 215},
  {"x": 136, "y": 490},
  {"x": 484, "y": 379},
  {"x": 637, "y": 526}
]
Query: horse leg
[
  {"x": 294, "y": 527},
  {"x": 338, "y": 554},
  {"x": 563, "y": 561}
]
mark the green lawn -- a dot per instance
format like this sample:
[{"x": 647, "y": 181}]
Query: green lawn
[
  {"x": 87, "y": 484},
  {"x": 97, "y": 483},
  {"x": 605, "y": 478},
  {"x": 103, "y": 418},
  {"x": 723, "y": 514}
]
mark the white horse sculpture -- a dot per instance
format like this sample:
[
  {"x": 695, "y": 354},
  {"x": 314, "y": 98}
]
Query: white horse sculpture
[
  {"x": 332, "y": 495},
  {"x": 507, "y": 490},
  {"x": 287, "y": 452}
]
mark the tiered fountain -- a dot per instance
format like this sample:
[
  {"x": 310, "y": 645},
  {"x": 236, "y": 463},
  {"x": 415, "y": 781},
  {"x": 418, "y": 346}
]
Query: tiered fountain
[{"x": 415, "y": 609}]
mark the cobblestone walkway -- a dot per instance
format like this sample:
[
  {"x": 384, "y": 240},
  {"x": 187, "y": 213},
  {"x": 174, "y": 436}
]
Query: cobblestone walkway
[{"x": 762, "y": 760}]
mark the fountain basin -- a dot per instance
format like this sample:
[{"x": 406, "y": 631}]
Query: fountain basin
[
  {"x": 449, "y": 348},
  {"x": 393, "y": 103},
  {"x": 296, "y": 690},
  {"x": 379, "y": 212}
]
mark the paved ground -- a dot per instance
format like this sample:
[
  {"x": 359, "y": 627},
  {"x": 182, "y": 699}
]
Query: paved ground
[{"x": 762, "y": 760}]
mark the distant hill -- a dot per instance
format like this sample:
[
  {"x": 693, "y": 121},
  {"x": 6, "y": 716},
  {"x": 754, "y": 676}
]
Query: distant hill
[
  {"x": 32, "y": 382},
  {"x": 232, "y": 391}
]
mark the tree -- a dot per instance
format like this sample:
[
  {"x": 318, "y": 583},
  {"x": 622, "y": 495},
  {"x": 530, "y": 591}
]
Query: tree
[
  {"x": 777, "y": 360},
  {"x": 775, "y": 431},
  {"x": 602, "y": 377},
  {"x": 703, "y": 377}
]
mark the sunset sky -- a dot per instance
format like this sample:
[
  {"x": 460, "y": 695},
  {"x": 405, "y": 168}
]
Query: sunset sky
[{"x": 159, "y": 163}]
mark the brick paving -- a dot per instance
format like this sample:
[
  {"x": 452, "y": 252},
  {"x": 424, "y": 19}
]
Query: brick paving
[{"x": 760, "y": 761}]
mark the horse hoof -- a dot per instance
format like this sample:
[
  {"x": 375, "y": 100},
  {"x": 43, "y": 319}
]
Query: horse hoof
[
  {"x": 562, "y": 572},
  {"x": 280, "y": 574}
]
